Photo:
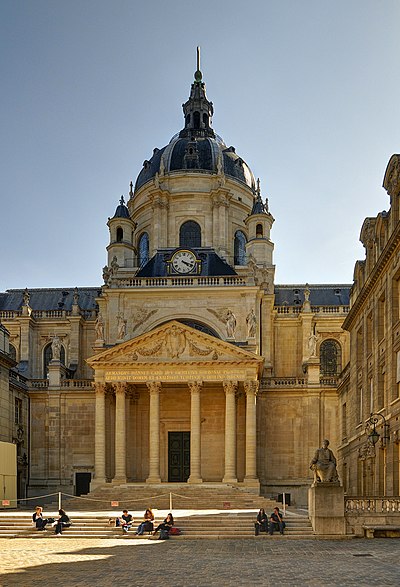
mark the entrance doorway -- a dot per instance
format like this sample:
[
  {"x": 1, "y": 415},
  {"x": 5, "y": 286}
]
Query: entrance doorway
[
  {"x": 178, "y": 457},
  {"x": 82, "y": 483}
]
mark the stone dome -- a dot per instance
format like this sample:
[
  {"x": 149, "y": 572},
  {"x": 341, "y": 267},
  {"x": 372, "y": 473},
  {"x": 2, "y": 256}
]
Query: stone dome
[{"x": 196, "y": 148}]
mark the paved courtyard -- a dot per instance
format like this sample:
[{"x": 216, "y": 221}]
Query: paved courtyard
[{"x": 201, "y": 563}]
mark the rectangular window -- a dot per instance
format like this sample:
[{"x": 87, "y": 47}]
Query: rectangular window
[
  {"x": 381, "y": 388},
  {"x": 344, "y": 421},
  {"x": 381, "y": 318},
  {"x": 369, "y": 333},
  {"x": 18, "y": 411},
  {"x": 359, "y": 407},
  {"x": 371, "y": 395}
]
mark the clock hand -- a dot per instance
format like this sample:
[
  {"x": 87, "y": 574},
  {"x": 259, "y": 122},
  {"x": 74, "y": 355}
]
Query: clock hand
[{"x": 188, "y": 264}]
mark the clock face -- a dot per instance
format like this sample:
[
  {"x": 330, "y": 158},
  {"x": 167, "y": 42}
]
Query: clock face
[{"x": 184, "y": 262}]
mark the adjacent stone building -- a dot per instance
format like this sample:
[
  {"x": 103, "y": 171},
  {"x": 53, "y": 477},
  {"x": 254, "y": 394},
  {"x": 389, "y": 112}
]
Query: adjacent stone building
[
  {"x": 370, "y": 383},
  {"x": 188, "y": 364}
]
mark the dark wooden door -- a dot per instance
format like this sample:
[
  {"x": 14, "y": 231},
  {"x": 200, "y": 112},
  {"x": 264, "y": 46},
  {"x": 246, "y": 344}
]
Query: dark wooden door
[
  {"x": 82, "y": 483},
  {"x": 178, "y": 456}
]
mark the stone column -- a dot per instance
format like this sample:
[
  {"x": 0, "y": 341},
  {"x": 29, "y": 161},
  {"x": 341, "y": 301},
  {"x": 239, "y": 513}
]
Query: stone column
[
  {"x": 230, "y": 388},
  {"x": 195, "y": 432},
  {"x": 251, "y": 389},
  {"x": 100, "y": 434},
  {"x": 120, "y": 433},
  {"x": 154, "y": 436}
]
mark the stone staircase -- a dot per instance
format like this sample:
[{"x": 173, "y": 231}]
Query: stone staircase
[
  {"x": 225, "y": 525},
  {"x": 136, "y": 496}
]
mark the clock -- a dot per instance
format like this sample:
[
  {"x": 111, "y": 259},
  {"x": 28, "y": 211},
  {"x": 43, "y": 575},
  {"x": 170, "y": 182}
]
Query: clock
[{"x": 183, "y": 262}]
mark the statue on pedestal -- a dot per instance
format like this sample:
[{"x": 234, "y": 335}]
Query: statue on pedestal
[{"x": 324, "y": 465}]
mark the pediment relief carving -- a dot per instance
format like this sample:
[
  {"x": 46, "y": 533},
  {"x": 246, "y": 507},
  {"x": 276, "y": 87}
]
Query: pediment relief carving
[{"x": 173, "y": 342}]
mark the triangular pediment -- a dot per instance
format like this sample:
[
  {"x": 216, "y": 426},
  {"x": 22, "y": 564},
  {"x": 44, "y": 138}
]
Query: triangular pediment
[{"x": 171, "y": 346}]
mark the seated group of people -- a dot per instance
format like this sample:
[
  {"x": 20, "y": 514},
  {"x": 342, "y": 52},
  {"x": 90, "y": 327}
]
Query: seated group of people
[
  {"x": 147, "y": 525},
  {"x": 263, "y": 524},
  {"x": 41, "y": 522}
]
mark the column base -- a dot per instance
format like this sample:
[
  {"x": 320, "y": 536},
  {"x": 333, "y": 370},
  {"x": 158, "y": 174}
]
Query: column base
[
  {"x": 193, "y": 479},
  {"x": 153, "y": 480},
  {"x": 96, "y": 482},
  {"x": 229, "y": 480},
  {"x": 251, "y": 482}
]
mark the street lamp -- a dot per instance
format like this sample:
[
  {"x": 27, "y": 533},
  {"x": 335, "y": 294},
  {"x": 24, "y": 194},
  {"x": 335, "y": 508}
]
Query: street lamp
[{"x": 371, "y": 431}]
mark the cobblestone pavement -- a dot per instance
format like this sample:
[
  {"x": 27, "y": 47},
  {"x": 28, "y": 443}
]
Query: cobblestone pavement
[{"x": 199, "y": 563}]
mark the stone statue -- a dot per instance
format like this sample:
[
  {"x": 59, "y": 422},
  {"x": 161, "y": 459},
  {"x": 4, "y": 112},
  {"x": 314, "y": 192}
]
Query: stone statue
[
  {"x": 56, "y": 348},
  {"x": 251, "y": 322},
  {"x": 26, "y": 297},
  {"x": 99, "y": 327},
  {"x": 106, "y": 274},
  {"x": 76, "y": 296},
  {"x": 307, "y": 293},
  {"x": 230, "y": 324},
  {"x": 324, "y": 465},
  {"x": 121, "y": 327},
  {"x": 114, "y": 265},
  {"x": 312, "y": 345}
]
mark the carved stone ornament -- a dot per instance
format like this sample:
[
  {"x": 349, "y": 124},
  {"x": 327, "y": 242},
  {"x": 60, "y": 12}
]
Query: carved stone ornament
[
  {"x": 366, "y": 451},
  {"x": 195, "y": 386},
  {"x": 230, "y": 387},
  {"x": 391, "y": 181},
  {"x": 367, "y": 236},
  {"x": 140, "y": 314},
  {"x": 154, "y": 386},
  {"x": 251, "y": 387}
]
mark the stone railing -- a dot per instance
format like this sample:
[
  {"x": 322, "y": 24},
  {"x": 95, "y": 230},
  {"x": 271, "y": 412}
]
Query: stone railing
[
  {"x": 188, "y": 281},
  {"x": 329, "y": 381},
  {"x": 294, "y": 310},
  {"x": 77, "y": 383},
  {"x": 10, "y": 314},
  {"x": 369, "y": 505},
  {"x": 283, "y": 381},
  {"x": 38, "y": 383},
  {"x": 43, "y": 314}
]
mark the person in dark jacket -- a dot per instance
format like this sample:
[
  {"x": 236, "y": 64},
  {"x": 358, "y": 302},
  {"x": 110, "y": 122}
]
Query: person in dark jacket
[
  {"x": 165, "y": 527},
  {"x": 261, "y": 523},
  {"x": 62, "y": 522},
  {"x": 38, "y": 519},
  {"x": 276, "y": 522},
  {"x": 126, "y": 521}
]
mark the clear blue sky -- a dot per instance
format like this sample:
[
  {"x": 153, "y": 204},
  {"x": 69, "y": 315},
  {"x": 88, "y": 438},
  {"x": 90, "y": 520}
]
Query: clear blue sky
[{"x": 307, "y": 91}]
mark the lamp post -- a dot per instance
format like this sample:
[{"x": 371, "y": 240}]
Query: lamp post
[{"x": 371, "y": 431}]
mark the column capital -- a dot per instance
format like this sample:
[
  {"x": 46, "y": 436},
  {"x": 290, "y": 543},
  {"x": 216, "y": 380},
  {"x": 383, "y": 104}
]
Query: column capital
[
  {"x": 99, "y": 388},
  {"x": 120, "y": 388},
  {"x": 251, "y": 387},
  {"x": 230, "y": 387},
  {"x": 195, "y": 386},
  {"x": 154, "y": 386}
]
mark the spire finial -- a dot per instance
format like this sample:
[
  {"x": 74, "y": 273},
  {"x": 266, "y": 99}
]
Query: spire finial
[
  {"x": 258, "y": 187},
  {"x": 131, "y": 189},
  {"x": 122, "y": 200},
  {"x": 198, "y": 75}
]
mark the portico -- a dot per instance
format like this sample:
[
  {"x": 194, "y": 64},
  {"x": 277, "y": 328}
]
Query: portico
[{"x": 176, "y": 379}]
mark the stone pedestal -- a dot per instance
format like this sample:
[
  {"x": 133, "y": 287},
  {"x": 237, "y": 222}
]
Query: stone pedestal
[
  {"x": 313, "y": 370},
  {"x": 326, "y": 508},
  {"x": 57, "y": 371}
]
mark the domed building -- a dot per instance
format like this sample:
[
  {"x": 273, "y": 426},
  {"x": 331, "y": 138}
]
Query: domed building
[{"x": 189, "y": 364}]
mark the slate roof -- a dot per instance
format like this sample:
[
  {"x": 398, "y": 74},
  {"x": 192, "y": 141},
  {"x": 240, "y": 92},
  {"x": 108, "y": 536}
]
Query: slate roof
[
  {"x": 212, "y": 264},
  {"x": 320, "y": 295},
  {"x": 50, "y": 298}
]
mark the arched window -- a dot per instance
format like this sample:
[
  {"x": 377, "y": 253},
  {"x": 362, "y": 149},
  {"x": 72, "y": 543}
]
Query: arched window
[
  {"x": 143, "y": 247},
  {"x": 48, "y": 355},
  {"x": 330, "y": 357},
  {"x": 13, "y": 352},
  {"x": 259, "y": 231},
  {"x": 205, "y": 119},
  {"x": 190, "y": 234},
  {"x": 196, "y": 119},
  {"x": 240, "y": 248},
  {"x": 120, "y": 234}
]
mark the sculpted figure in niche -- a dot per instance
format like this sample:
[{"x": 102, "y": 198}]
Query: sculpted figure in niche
[
  {"x": 251, "y": 322},
  {"x": 121, "y": 326},
  {"x": 312, "y": 344},
  {"x": 324, "y": 465},
  {"x": 56, "y": 348},
  {"x": 99, "y": 327},
  {"x": 230, "y": 324}
]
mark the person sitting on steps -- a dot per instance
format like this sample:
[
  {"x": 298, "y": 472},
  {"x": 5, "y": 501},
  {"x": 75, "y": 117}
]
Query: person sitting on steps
[
  {"x": 147, "y": 524},
  {"x": 126, "y": 521},
  {"x": 276, "y": 522},
  {"x": 261, "y": 523},
  {"x": 165, "y": 527}
]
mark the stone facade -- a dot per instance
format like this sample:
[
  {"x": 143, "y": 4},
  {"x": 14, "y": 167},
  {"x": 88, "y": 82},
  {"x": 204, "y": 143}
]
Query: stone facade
[
  {"x": 189, "y": 334},
  {"x": 371, "y": 382}
]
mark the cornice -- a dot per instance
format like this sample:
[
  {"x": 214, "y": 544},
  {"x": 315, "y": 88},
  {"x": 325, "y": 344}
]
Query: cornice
[{"x": 377, "y": 271}]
